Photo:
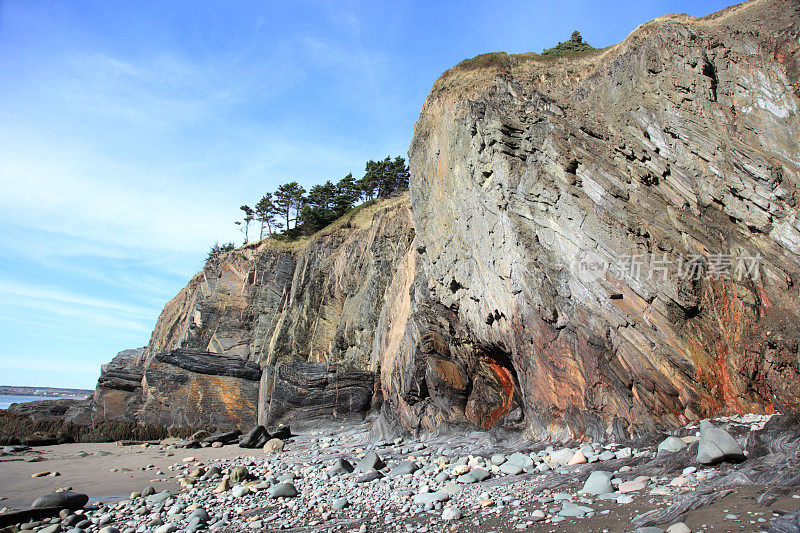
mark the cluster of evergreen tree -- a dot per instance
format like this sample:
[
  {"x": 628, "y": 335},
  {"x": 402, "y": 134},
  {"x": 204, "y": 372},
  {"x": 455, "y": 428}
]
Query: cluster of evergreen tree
[
  {"x": 219, "y": 249},
  {"x": 292, "y": 211},
  {"x": 576, "y": 44}
]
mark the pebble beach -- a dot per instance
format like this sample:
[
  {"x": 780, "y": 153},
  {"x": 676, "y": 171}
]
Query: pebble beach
[{"x": 338, "y": 480}]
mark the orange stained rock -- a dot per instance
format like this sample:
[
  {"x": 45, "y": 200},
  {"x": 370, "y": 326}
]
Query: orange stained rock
[
  {"x": 764, "y": 299},
  {"x": 507, "y": 385},
  {"x": 449, "y": 373},
  {"x": 712, "y": 371}
]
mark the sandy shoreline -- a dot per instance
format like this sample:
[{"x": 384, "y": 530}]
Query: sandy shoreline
[
  {"x": 136, "y": 468},
  {"x": 92, "y": 473}
]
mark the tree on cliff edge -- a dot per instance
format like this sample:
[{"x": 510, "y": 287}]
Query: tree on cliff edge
[
  {"x": 347, "y": 194},
  {"x": 265, "y": 215},
  {"x": 288, "y": 199},
  {"x": 576, "y": 44},
  {"x": 247, "y": 218},
  {"x": 327, "y": 202},
  {"x": 218, "y": 249},
  {"x": 384, "y": 177}
]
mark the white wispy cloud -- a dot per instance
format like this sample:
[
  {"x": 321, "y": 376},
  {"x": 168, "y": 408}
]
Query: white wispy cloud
[
  {"x": 119, "y": 168},
  {"x": 50, "y": 294}
]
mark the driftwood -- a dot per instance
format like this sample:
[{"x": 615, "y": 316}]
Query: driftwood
[{"x": 26, "y": 515}]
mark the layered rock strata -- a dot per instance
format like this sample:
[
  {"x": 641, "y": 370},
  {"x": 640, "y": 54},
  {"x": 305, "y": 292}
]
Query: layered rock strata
[
  {"x": 678, "y": 144},
  {"x": 306, "y": 391},
  {"x": 309, "y": 307}
]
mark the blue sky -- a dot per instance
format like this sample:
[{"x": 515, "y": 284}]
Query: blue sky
[{"x": 131, "y": 132}]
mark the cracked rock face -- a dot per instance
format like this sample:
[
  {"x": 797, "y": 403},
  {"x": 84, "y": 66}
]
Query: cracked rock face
[
  {"x": 680, "y": 142},
  {"x": 310, "y": 307}
]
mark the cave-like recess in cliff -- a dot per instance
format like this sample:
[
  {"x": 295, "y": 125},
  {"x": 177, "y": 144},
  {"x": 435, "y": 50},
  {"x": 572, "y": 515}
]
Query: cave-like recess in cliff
[{"x": 495, "y": 390}]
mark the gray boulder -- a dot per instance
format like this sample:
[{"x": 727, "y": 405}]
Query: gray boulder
[
  {"x": 239, "y": 491},
  {"x": 473, "y": 476},
  {"x": 210, "y": 473},
  {"x": 404, "y": 468},
  {"x": 370, "y": 461},
  {"x": 65, "y": 499},
  {"x": 372, "y": 475},
  {"x": 159, "y": 497},
  {"x": 717, "y": 445},
  {"x": 340, "y": 466},
  {"x": 431, "y": 497},
  {"x": 671, "y": 444},
  {"x": 498, "y": 459},
  {"x": 599, "y": 482},
  {"x": 510, "y": 468},
  {"x": 562, "y": 456},
  {"x": 282, "y": 490},
  {"x": 573, "y": 510},
  {"x": 521, "y": 460}
]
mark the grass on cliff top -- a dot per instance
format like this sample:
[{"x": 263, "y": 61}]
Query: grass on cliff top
[
  {"x": 504, "y": 61},
  {"x": 357, "y": 218}
]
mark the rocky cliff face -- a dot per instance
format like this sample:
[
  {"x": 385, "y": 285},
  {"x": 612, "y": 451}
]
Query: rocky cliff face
[
  {"x": 267, "y": 304},
  {"x": 600, "y": 245},
  {"x": 118, "y": 395},
  {"x": 531, "y": 177}
]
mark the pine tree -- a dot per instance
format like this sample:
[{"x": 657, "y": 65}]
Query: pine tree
[
  {"x": 574, "y": 45},
  {"x": 318, "y": 206},
  {"x": 382, "y": 178},
  {"x": 265, "y": 214},
  {"x": 218, "y": 249},
  {"x": 247, "y": 218},
  {"x": 347, "y": 194},
  {"x": 398, "y": 175},
  {"x": 324, "y": 203},
  {"x": 288, "y": 200}
]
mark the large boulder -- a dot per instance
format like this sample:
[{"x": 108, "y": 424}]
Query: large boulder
[
  {"x": 273, "y": 446},
  {"x": 370, "y": 461},
  {"x": 717, "y": 445},
  {"x": 239, "y": 474},
  {"x": 282, "y": 490},
  {"x": 598, "y": 482},
  {"x": 306, "y": 390},
  {"x": 227, "y": 437},
  {"x": 340, "y": 466},
  {"x": 64, "y": 499},
  {"x": 671, "y": 444}
]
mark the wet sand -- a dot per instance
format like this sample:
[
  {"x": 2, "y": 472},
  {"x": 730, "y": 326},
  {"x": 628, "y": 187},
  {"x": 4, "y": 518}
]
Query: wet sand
[{"x": 92, "y": 474}]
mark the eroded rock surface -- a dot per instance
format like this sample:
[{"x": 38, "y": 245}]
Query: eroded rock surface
[
  {"x": 310, "y": 308},
  {"x": 680, "y": 142},
  {"x": 118, "y": 395},
  {"x": 307, "y": 391}
]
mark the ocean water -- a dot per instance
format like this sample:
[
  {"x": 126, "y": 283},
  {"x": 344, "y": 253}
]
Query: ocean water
[{"x": 6, "y": 400}]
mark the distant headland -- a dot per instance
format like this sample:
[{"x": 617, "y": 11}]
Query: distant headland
[{"x": 44, "y": 392}]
